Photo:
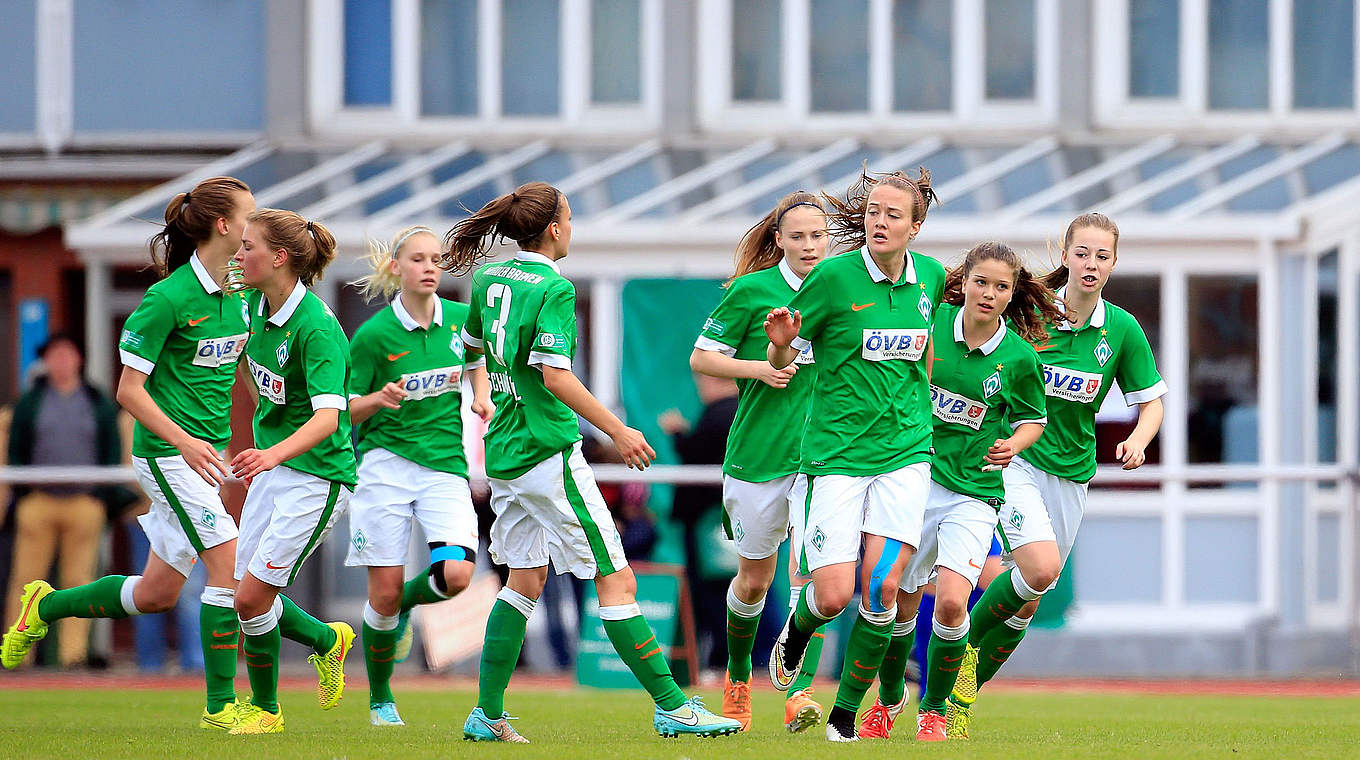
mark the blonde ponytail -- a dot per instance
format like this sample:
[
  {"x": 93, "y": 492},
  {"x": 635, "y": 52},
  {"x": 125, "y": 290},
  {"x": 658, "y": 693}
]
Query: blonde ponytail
[{"x": 381, "y": 281}]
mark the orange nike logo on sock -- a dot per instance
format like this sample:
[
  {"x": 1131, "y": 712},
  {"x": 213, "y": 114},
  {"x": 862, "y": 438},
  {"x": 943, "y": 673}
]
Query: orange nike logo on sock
[
  {"x": 649, "y": 654},
  {"x": 223, "y": 634},
  {"x": 947, "y": 658},
  {"x": 645, "y": 643}
]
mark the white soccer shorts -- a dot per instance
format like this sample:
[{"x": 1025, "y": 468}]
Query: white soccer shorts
[
  {"x": 186, "y": 516},
  {"x": 957, "y": 534},
  {"x": 1040, "y": 507},
  {"x": 839, "y": 508},
  {"x": 759, "y": 514},
  {"x": 392, "y": 493},
  {"x": 287, "y": 515}
]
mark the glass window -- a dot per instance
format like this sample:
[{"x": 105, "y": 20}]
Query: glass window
[
  {"x": 840, "y": 55},
  {"x": 1324, "y": 53},
  {"x": 368, "y": 52},
  {"x": 616, "y": 61},
  {"x": 1239, "y": 54},
  {"x": 1136, "y": 577},
  {"x": 1229, "y": 574},
  {"x": 1140, "y": 296},
  {"x": 1334, "y": 168},
  {"x": 1329, "y": 567},
  {"x": 923, "y": 49},
  {"x": 1154, "y": 48},
  {"x": 757, "y": 43},
  {"x": 1223, "y": 334},
  {"x": 448, "y": 57},
  {"x": 1010, "y": 49},
  {"x": 18, "y": 88},
  {"x": 1327, "y": 356},
  {"x": 529, "y": 58}
]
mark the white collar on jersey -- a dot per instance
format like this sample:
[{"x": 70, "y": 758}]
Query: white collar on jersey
[
  {"x": 409, "y": 322},
  {"x": 205, "y": 278},
  {"x": 290, "y": 305},
  {"x": 992, "y": 342},
  {"x": 1097, "y": 316},
  {"x": 877, "y": 274},
  {"x": 790, "y": 276},
  {"x": 538, "y": 258}
]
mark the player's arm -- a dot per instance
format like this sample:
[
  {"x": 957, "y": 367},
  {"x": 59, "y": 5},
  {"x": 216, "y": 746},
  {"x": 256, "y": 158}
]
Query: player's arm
[
  {"x": 632, "y": 445},
  {"x": 1003, "y": 450},
  {"x": 474, "y": 359},
  {"x": 717, "y": 364},
  {"x": 364, "y": 403},
  {"x": 482, "y": 405},
  {"x": 1132, "y": 451},
  {"x": 1027, "y": 412}
]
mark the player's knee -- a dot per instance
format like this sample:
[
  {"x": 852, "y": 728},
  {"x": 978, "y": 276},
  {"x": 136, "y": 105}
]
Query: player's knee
[
  {"x": 951, "y": 612},
  {"x": 457, "y": 576},
  {"x": 1042, "y": 576},
  {"x": 833, "y": 601},
  {"x": 385, "y": 601},
  {"x": 752, "y": 585}
]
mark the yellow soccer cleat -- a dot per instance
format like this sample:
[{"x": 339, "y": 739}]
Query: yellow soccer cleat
[
  {"x": 28, "y": 629},
  {"x": 956, "y": 718},
  {"x": 255, "y": 720},
  {"x": 330, "y": 667},
  {"x": 224, "y": 719},
  {"x": 966, "y": 685}
]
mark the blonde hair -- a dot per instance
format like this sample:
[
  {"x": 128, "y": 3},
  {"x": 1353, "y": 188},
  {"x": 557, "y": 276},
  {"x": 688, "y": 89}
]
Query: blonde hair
[
  {"x": 382, "y": 281},
  {"x": 309, "y": 245}
]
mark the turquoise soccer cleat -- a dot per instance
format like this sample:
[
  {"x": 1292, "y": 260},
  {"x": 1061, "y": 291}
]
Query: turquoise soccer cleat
[
  {"x": 479, "y": 728},
  {"x": 693, "y": 718}
]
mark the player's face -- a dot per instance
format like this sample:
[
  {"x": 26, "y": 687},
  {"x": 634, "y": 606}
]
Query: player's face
[
  {"x": 258, "y": 262},
  {"x": 235, "y": 223},
  {"x": 987, "y": 290},
  {"x": 563, "y": 225},
  {"x": 802, "y": 237},
  {"x": 416, "y": 264},
  {"x": 1089, "y": 259},
  {"x": 888, "y": 223}
]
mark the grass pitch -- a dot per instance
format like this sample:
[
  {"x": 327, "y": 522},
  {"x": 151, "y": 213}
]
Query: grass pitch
[{"x": 595, "y": 725}]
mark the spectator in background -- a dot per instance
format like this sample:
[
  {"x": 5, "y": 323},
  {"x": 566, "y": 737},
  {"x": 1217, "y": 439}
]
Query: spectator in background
[
  {"x": 62, "y": 421},
  {"x": 703, "y": 442}
]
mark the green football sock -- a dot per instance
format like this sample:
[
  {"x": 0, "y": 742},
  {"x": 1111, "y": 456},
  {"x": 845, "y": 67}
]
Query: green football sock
[
  {"x": 500, "y": 651},
  {"x": 220, "y": 633},
  {"x": 863, "y": 654},
  {"x": 100, "y": 598},
  {"x": 995, "y": 649},
  {"x": 295, "y": 624},
  {"x": 997, "y": 604},
  {"x": 943, "y": 658},
  {"x": 262, "y": 665},
  {"x": 419, "y": 590},
  {"x": 810, "y": 662},
  {"x": 637, "y": 646},
  {"x": 742, "y": 621},
  {"x": 379, "y": 659},
  {"x": 892, "y": 674}
]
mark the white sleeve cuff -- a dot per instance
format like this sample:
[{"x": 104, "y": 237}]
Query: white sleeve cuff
[
  {"x": 1146, "y": 395},
  {"x": 471, "y": 341},
  {"x": 329, "y": 401},
  {"x": 552, "y": 360},
  {"x": 477, "y": 363},
  {"x": 1018, "y": 423},
  {"x": 800, "y": 344},
  {"x": 705, "y": 343},
  {"x": 136, "y": 362},
  {"x": 353, "y": 396}
]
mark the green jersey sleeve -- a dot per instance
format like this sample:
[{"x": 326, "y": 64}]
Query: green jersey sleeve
[
  {"x": 1136, "y": 372},
  {"x": 729, "y": 322},
  {"x": 145, "y": 332},
  {"x": 472, "y": 326},
  {"x": 325, "y": 358},
  {"x": 362, "y": 367},
  {"x": 1026, "y": 402},
  {"x": 555, "y": 329}
]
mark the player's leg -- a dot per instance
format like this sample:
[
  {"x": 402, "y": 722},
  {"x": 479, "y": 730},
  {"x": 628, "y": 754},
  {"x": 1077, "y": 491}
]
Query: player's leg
[
  {"x": 801, "y": 711},
  {"x": 379, "y": 637},
  {"x": 259, "y": 619},
  {"x": 443, "y": 506},
  {"x": 877, "y": 722}
]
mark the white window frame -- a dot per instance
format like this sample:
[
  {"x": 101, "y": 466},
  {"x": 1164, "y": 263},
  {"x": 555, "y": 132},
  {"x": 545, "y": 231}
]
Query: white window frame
[
  {"x": 1115, "y": 108},
  {"x": 972, "y": 111},
  {"x": 331, "y": 117}
]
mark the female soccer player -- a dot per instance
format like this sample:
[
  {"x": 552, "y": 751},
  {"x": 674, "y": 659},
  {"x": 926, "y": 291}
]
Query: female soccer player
[
  {"x": 866, "y": 446},
  {"x": 987, "y": 396},
  {"x": 1099, "y": 343},
  {"x": 301, "y": 472},
  {"x": 523, "y": 318},
  {"x": 405, "y": 395},
  {"x": 762, "y": 450},
  {"x": 179, "y": 351}
]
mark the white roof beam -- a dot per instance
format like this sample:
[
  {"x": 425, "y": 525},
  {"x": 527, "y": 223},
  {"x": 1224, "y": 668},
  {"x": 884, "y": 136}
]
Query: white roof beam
[
  {"x": 426, "y": 199},
  {"x": 686, "y": 182},
  {"x": 1253, "y": 179},
  {"x": 320, "y": 173},
  {"x": 1170, "y": 178},
  {"x": 776, "y": 179},
  {"x": 609, "y": 167},
  {"x": 1089, "y": 178},
  {"x": 996, "y": 169},
  {"x": 403, "y": 172}
]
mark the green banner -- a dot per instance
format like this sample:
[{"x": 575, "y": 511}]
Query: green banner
[{"x": 658, "y": 595}]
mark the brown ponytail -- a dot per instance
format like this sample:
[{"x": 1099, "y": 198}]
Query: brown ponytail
[
  {"x": 1031, "y": 309},
  {"x": 758, "y": 249},
  {"x": 522, "y": 216},
  {"x": 1058, "y": 277},
  {"x": 310, "y": 246},
  {"x": 846, "y": 220},
  {"x": 189, "y": 220}
]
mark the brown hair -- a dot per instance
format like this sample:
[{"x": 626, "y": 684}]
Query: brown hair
[
  {"x": 758, "y": 249},
  {"x": 382, "y": 281},
  {"x": 309, "y": 245},
  {"x": 522, "y": 216},
  {"x": 846, "y": 219},
  {"x": 1031, "y": 309},
  {"x": 189, "y": 220},
  {"x": 1058, "y": 277}
]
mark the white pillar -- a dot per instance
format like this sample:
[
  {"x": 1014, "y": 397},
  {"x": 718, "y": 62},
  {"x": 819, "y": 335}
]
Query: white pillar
[
  {"x": 606, "y": 341},
  {"x": 99, "y": 342}
]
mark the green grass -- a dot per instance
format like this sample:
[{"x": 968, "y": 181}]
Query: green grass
[{"x": 594, "y": 725}]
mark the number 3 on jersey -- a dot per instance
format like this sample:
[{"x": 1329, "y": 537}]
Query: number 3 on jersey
[{"x": 496, "y": 346}]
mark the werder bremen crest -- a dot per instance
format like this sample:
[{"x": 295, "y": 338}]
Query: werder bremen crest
[
  {"x": 282, "y": 353},
  {"x": 992, "y": 385},
  {"x": 1103, "y": 352}
]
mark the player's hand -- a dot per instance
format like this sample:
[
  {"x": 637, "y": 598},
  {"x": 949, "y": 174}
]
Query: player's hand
[
  {"x": 782, "y": 326},
  {"x": 203, "y": 459},
  {"x": 484, "y": 408},
  {"x": 391, "y": 396},
  {"x": 777, "y": 378},
  {"x": 252, "y": 462},
  {"x": 633, "y": 448},
  {"x": 999, "y": 455},
  {"x": 1131, "y": 455}
]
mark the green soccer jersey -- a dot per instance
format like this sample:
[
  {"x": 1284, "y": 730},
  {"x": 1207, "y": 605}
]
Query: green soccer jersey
[
  {"x": 1079, "y": 365},
  {"x": 299, "y": 359},
  {"x": 186, "y": 336},
  {"x": 763, "y": 443},
  {"x": 870, "y": 413},
  {"x": 523, "y": 315},
  {"x": 392, "y": 347},
  {"x": 979, "y": 395}
]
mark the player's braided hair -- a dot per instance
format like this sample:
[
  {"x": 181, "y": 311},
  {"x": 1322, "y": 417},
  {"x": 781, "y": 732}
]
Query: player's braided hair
[{"x": 1031, "y": 309}]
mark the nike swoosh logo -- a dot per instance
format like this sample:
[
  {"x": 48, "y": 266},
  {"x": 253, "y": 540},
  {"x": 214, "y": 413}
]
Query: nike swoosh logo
[
  {"x": 1044, "y": 347},
  {"x": 692, "y": 720},
  {"x": 194, "y": 322},
  {"x": 860, "y": 307},
  {"x": 973, "y": 564},
  {"x": 223, "y": 635},
  {"x": 394, "y": 357},
  {"x": 645, "y": 643},
  {"x": 947, "y": 658},
  {"x": 23, "y": 616},
  {"x": 272, "y": 566}
]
